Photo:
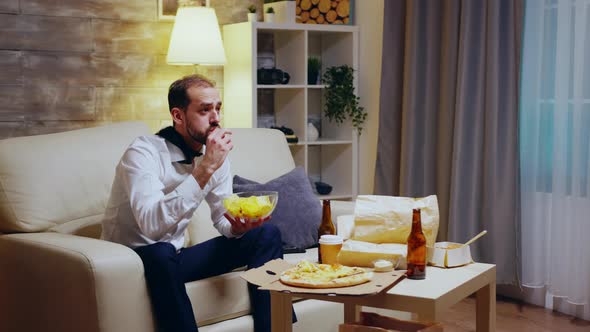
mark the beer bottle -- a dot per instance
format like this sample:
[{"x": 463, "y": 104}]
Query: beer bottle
[
  {"x": 326, "y": 227},
  {"x": 416, "y": 249}
]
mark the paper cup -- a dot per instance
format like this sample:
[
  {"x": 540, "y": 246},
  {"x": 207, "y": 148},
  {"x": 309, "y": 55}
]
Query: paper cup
[{"x": 330, "y": 246}]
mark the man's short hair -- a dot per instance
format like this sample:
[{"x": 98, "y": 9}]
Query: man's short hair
[{"x": 177, "y": 94}]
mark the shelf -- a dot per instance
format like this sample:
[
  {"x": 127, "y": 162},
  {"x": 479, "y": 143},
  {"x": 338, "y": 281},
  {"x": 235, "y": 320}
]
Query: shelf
[
  {"x": 327, "y": 141},
  {"x": 252, "y": 45},
  {"x": 330, "y": 132},
  {"x": 331, "y": 164},
  {"x": 322, "y": 141},
  {"x": 290, "y": 86},
  {"x": 280, "y": 86},
  {"x": 335, "y": 196},
  {"x": 298, "y": 26}
]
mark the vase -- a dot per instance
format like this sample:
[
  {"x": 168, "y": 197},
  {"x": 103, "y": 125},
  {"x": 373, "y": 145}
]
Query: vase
[
  {"x": 269, "y": 17},
  {"x": 312, "y": 132},
  {"x": 252, "y": 17},
  {"x": 313, "y": 78}
]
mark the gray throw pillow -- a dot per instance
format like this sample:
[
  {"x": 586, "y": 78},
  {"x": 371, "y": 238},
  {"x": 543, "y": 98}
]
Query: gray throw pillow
[{"x": 298, "y": 212}]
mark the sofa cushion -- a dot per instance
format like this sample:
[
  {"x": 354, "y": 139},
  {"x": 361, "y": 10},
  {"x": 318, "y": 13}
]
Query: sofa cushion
[
  {"x": 201, "y": 227},
  {"x": 52, "y": 179},
  {"x": 298, "y": 212},
  {"x": 90, "y": 226},
  {"x": 260, "y": 154}
]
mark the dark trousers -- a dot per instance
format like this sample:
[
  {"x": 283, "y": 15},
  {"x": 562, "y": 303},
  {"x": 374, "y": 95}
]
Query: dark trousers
[{"x": 166, "y": 272}]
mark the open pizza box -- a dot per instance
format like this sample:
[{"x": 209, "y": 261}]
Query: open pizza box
[{"x": 267, "y": 277}]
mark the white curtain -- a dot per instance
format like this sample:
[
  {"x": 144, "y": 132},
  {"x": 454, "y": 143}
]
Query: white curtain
[{"x": 554, "y": 152}]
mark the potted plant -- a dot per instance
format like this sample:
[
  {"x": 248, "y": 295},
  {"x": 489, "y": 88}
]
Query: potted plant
[
  {"x": 314, "y": 65},
  {"x": 285, "y": 11},
  {"x": 269, "y": 16},
  {"x": 252, "y": 13},
  {"x": 341, "y": 101}
]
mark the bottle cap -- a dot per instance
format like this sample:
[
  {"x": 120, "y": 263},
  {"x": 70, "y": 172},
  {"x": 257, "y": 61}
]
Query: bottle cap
[{"x": 331, "y": 239}]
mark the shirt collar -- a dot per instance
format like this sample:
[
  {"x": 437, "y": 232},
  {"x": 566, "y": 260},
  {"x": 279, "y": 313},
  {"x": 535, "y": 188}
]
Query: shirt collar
[{"x": 172, "y": 136}]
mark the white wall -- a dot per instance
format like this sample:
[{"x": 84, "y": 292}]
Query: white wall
[{"x": 369, "y": 18}]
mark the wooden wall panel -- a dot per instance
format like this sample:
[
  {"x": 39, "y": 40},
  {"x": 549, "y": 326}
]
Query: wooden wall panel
[
  {"x": 86, "y": 69},
  {"x": 119, "y": 104},
  {"x": 49, "y": 102},
  {"x": 10, "y": 129},
  {"x": 11, "y": 103},
  {"x": 29, "y": 128},
  {"x": 163, "y": 74},
  {"x": 11, "y": 72},
  {"x": 25, "y": 32},
  {"x": 120, "y": 69},
  {"x": 9, "y": 6},
  {"x": 54, "y": 102},
  {"x": 115, "y": 9},
  {"x": 234, "y": 11},
  {"x": 69, "y": 64},
  {"x": 214, "y": 73},
  {"x": 112, "y": 36},
  {"x": 58, "y": 68}
]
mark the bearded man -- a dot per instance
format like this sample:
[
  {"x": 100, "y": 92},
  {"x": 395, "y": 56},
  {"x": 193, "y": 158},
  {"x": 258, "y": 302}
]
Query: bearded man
[{"x": 160, "y": 182}]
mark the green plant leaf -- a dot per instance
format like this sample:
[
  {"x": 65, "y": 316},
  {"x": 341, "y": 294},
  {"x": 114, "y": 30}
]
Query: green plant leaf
[{"x": 341, "y": 101}]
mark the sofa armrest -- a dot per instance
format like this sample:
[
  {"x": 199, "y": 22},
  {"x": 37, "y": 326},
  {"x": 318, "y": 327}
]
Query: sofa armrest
[{"x": 61, "y": 282}]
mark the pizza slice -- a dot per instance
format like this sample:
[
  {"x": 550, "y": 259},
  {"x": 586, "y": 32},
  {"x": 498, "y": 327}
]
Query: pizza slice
[{"x": 310, "y": 275}]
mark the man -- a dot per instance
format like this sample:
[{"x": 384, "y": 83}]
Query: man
[{"x": 159, "y": 183}]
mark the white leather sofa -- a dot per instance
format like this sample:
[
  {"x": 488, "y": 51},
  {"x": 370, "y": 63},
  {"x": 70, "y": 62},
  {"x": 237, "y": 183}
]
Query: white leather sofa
[{"x": 57, "y": 275}]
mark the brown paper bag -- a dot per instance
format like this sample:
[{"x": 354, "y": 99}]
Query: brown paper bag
[{"x": 388, "y": 219}]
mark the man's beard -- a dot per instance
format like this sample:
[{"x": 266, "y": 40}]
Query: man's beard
[{"x": 200, "y": 137}]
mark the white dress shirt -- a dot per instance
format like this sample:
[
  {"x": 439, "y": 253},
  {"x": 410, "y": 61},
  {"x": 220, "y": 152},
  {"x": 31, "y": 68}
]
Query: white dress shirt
[{"x": 154, "y": 196}]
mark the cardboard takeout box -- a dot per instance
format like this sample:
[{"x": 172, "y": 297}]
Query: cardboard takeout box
[
  {"x": 449, "y": 254},
  {"x": 267, "y": 277}
]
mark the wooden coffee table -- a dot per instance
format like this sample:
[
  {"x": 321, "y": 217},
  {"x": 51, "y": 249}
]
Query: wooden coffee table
[{"x": 428, "y": 298}]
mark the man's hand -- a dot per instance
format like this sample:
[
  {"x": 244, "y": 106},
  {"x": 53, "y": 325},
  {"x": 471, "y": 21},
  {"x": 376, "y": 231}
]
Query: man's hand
[
  {"x": 219, "y": 144},
  {"x": 238, "y": 227}
]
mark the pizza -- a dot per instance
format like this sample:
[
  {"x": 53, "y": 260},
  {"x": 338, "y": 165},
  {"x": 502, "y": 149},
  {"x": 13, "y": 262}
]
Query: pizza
[{"x": 310, "y": 275}]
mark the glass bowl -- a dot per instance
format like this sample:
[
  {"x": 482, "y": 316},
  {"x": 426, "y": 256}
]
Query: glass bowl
[{"x": 251, "y": 204}]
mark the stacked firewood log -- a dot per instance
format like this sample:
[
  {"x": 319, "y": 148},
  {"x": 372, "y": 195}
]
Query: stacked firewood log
[{"x": 323, "y": 11}]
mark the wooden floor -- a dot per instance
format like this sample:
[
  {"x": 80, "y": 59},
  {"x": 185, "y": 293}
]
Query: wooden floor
[{"x": 513, "y": 316}]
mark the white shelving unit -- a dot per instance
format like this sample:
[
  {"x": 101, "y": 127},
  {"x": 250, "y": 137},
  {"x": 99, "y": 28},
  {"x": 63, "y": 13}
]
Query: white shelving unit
[{"x": 333, "y": 158}]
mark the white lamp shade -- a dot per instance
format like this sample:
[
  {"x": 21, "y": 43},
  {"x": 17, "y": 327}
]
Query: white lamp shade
[{"x": 196, "y": 38}]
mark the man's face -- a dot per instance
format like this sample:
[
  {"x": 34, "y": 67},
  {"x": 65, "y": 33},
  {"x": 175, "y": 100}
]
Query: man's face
[{"x": 202, "y": 115}]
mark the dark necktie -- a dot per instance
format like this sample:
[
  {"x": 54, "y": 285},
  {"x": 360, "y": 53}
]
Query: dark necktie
[{"x": 171, "y": 135}]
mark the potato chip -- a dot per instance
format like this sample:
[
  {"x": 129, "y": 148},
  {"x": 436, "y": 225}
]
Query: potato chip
[{"x": 253, "y": 207}]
